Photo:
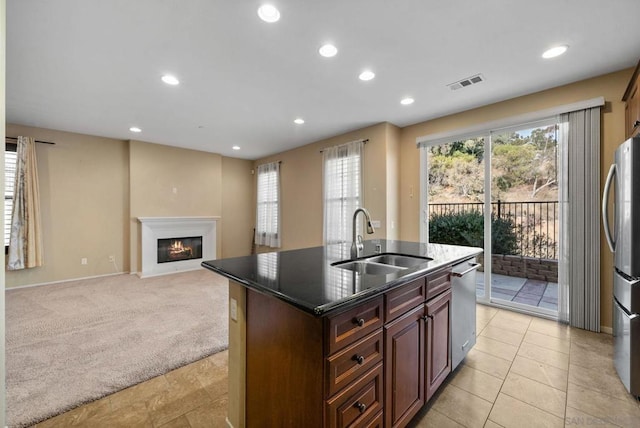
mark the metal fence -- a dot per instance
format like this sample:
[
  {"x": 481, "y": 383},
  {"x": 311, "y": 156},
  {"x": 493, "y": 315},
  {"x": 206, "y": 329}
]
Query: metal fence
[{"x": 536, "y": 223}]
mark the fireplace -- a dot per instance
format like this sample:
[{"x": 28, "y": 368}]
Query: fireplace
[
  {"x": 177, "y": 249},
  {"x": 175, "y": 244}
]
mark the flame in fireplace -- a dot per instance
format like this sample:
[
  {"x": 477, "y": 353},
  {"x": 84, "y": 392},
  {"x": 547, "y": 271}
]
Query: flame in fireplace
[{"x": 177, "y": 249}]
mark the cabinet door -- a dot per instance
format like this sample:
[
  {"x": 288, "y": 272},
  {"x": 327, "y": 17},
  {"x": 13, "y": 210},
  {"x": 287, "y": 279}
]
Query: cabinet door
[
  {"x": 404, "y": 367},
  {"x": 438, "y": 342}
]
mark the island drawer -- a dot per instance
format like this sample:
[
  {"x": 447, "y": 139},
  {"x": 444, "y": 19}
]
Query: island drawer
[
  {"x": 347, "y": 327},
  {"x": 376, "y": 422},
  {"x": 348, "y": 364},
  {"x": 438, "y": 281},
  {"x": 401, "y": 300},
  {"x": 357, "y": 405}
]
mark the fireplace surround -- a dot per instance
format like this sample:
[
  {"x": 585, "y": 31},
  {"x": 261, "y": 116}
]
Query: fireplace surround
[{"x": 183, "y": 241}]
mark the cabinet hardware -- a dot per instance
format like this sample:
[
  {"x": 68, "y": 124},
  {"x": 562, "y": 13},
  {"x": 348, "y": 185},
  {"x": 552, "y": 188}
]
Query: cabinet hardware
[
  {"x": 473, "y": 266},
  {"x": 358, "y": 321},
  {"x": 636, "y": 123},
  {"x": 427, "y": 317},
  {"x": 361, "y": 406},
  {"x": 358, "y": 359}
]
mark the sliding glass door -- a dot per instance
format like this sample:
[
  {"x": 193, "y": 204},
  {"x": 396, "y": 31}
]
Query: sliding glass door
[
  {"x": 525, "y": 218},
  {"x": 455, "y": 196},
  {"x": 499, "y": 191}
]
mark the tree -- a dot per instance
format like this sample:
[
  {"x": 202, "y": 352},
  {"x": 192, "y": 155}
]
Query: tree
[
  {"x": 545, "y": 167},
  {"x": 457, "y": 165},
  {"x": 465, "y": 175},
  {"x": 512, "y": 164}
]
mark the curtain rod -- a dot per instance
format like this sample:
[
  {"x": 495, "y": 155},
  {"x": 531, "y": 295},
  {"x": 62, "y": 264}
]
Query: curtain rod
[
  {"x": 267, "y": 163},
  {"x": 37, "y": 141},
  {"x": 364, "y": 141}
]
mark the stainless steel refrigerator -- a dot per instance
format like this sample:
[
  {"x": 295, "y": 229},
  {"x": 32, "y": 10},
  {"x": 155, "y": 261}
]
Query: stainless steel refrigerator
[{"x": 623, "y": 237}]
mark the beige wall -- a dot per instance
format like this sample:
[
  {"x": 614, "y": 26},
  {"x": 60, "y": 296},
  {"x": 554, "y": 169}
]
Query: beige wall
[
  {"x": 301, "y": 185},
  {"x": 84, "y": 204},
  {"x": 610, "y": 86},
  {"x": 168, "y": 181},
  {"x": 238, "y": 215},
  {"x": 393, "y": 181}
]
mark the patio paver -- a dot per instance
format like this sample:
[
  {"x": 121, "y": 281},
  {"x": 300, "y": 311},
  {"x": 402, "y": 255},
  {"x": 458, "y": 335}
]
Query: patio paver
[{"x": 521, "y": 290}]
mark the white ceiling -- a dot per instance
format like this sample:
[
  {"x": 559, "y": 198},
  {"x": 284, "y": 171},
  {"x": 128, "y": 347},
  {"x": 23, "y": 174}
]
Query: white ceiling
[{"x": 94, "y": 66}]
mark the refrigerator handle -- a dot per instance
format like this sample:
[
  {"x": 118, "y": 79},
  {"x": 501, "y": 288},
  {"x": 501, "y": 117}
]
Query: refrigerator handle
[{"x": 605, "y": 211}]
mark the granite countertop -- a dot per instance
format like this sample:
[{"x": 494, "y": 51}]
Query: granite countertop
[{"x": 306, "y": 278}]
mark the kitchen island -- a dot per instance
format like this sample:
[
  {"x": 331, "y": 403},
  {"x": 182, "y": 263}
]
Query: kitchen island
[{"x": 317, "y": 341}]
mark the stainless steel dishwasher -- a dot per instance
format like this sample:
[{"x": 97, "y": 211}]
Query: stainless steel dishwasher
[{"x": 463, "y": 310}]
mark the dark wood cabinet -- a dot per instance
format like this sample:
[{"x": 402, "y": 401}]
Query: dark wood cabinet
[
  {"x": 372, "y": 365},
  {"x": 349, "y": 364},
  {"x": 438, "y": 342},
  {"x": 404, "y": 367},
  {"x": 357, "y": 404},
  {"x": 417, "y": 354},
  {"x": 632, "y": 105}
]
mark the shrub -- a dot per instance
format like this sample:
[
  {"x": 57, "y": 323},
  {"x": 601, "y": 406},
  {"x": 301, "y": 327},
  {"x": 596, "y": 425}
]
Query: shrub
[{"x": 467, "y": 228}]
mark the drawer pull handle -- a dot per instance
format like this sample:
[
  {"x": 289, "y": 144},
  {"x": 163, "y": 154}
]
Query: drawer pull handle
[
  {"x": 426, "y": 317},
  {"x": 358, "y": 359},
  {"x": 358, "y": 321},
  {"x": 361, "y": 406}
]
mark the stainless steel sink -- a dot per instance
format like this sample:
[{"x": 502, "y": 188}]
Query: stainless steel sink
[
  {"x": 382, "y": 264},
  {"x": 398, "y": 260},
  {"x": 366, "y": 267}
]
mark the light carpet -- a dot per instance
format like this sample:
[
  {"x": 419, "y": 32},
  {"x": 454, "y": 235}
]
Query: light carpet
[{"x": 72, "y": 343}]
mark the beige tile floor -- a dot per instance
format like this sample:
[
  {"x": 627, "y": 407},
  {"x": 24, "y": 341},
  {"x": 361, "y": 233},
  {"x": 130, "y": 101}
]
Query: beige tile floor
[{"x": 523, "y": 372}]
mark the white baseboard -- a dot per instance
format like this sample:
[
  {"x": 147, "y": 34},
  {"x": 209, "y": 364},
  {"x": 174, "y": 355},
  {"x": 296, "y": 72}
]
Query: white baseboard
[
  {"x": 173, "y": 272},
  {"x": 64, "y": 280}
]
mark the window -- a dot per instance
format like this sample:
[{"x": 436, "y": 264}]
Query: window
[
  {"x": 342, "y": 190},
  {"x": 9, "y": 183},
  {"x": 268, "y": 205}
]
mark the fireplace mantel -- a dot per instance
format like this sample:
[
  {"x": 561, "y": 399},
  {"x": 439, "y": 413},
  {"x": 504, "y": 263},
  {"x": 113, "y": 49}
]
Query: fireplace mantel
[{"x": 154, "y": 228}]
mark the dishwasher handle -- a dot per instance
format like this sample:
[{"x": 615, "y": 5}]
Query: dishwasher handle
[{"x": 473, "y": 267}]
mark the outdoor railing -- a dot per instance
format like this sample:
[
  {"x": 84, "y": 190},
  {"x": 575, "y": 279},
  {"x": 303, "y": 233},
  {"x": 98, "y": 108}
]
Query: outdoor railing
[{"x": 536, "y": 223}]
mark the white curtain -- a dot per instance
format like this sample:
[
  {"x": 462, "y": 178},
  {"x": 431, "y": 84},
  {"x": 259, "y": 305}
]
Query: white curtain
[
  {"x": 268, "y": 205},
  {"x": 25, "y": 241},
  {"x": 579, "y": 284},
  {"x": 342, "y": 184}
]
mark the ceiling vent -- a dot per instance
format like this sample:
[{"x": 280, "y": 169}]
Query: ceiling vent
[{"x": 466, "y": 82}]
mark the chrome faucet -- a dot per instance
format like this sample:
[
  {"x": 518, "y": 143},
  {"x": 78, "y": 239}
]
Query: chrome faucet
[{"x": 356, "y": 245}]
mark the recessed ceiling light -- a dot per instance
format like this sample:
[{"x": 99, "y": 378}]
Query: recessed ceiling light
[
  {"x": 367, "y": 75},
  {"x": 135, "y": 129},
  {"x": 170, "y": 80},
  {"x": 328, "y": 50},
  {"x": 236, "y": 147},
  {"x": 554, "y": 52},
  {"x": 268, "y": 13},
  {"x": 407, "y": 101},
  {"x": 299, "y": 121}
]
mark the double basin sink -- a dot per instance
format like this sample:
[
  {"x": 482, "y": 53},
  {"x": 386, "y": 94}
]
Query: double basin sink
[{"x": 381, "y": 264}]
